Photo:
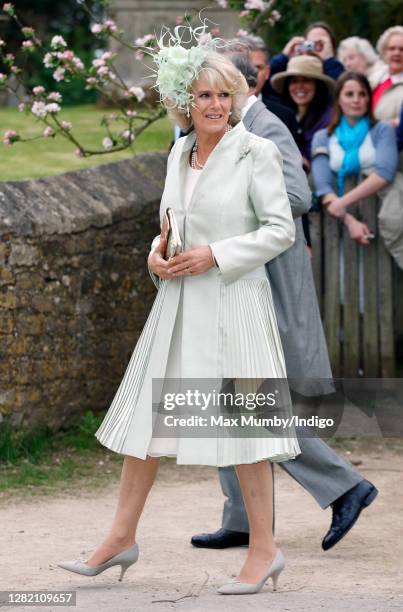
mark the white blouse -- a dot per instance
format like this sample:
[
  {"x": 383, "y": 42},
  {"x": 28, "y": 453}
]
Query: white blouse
[
  {"x": 366, "y": 153},
  {"x": 192, "y": 176}
]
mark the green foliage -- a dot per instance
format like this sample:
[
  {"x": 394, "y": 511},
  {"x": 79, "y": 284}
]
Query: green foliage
[
  {"x": 365, "y": 18},
  {"x": 41, "y": 461},
  {"x": 82, "y": 436},
  {"x": 24, "y": 444},
  {"x": 39, "y": 442}
]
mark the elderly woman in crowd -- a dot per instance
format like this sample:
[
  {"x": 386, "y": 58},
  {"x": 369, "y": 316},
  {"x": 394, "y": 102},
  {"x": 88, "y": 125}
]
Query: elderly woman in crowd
[
  {"x": 354, "y": 144},
  {"x": 213, "y": 317},
  {"x": 388, "y": 87},
  {"x": 358, "y": 55}
]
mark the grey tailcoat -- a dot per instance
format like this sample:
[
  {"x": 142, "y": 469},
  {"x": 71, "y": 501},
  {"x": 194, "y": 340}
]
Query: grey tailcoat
[
  {"x": 318, "y": 468},
  {"x": 290, "y": 273}
]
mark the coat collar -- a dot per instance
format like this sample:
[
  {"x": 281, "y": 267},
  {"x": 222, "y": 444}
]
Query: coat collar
[{"x": 226, "y": 143}]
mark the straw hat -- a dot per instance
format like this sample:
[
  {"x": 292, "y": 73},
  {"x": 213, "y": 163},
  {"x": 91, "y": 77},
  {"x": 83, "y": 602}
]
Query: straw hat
[{"x": 307, "y": 66}]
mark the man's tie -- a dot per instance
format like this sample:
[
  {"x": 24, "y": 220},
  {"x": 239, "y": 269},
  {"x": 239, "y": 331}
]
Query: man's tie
[{"x": 380, "y": 90}]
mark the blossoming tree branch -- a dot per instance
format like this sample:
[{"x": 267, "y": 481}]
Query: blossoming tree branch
[
  {"x": 121, "y": 127},
  {"x": 133, "y": 113}
]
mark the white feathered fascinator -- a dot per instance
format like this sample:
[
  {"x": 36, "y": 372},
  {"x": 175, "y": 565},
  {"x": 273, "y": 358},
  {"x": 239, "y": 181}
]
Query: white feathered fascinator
[{"x": 179, "y": 65}]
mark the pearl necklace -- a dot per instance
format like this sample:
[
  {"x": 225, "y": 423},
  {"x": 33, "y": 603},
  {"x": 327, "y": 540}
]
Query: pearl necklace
[{"x": 194, "y": 162}]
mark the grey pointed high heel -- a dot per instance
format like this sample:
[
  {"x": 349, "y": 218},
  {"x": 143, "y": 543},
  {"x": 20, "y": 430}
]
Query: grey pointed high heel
[
  {"x": 246, "y": 588},
  {"x": 125, "y": 559}
]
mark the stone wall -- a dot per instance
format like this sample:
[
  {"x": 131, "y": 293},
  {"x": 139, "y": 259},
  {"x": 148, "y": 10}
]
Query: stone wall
[{"x": 74, "y": 286}]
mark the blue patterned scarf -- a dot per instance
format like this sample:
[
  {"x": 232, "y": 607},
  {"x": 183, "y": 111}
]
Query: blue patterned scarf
[{"x": 350, "y": 139}]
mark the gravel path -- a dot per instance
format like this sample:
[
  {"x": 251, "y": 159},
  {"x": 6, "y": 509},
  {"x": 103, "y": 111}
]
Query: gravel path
[{"x": 363, "y": 573}]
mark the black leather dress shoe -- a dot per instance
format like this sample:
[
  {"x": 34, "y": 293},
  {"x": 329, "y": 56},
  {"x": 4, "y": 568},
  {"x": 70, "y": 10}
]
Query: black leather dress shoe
[
  {"x": 347, "y": 509},
  {"x": 223, "y": 538}
]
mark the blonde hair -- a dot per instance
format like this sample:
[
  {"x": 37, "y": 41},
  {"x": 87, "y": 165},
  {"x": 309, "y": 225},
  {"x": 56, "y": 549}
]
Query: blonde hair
[
  {"x": 384, "y": 38},
  {"x": 222, "y": 74}
]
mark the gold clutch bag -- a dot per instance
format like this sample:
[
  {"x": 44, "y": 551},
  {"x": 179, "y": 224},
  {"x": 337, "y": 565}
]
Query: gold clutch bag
[{"x": 170, "y": 231}]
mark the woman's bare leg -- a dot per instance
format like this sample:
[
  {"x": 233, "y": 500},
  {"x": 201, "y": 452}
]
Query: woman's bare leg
[
  {"x": 137, "y": 478},
  {"x": 256, "y": 481}
]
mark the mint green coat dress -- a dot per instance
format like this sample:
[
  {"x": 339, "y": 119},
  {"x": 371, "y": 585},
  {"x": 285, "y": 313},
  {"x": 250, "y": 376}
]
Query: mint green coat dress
[{"x": 220, "y": 324}]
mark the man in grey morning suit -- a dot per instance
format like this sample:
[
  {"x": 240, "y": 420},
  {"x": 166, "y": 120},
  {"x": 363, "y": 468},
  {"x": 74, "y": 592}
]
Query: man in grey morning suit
[{"x": 329, "y": 479}]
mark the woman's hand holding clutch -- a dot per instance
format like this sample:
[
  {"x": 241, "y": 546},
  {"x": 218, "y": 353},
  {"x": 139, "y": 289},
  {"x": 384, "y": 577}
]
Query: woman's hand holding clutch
[
  {"x": 191, "y": 263},
  {"x": 156, "y": 262}
]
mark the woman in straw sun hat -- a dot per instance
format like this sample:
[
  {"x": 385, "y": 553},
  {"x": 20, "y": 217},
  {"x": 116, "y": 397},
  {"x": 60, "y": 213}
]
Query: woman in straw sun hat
[
  {"x": 305, "y": 89},
  {"x": 308, "y": 91},
  {"x": 213, "y": 317}
]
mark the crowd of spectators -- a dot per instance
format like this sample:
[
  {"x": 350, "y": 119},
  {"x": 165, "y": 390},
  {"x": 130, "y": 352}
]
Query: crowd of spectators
[{"x": 343, "y": 105}]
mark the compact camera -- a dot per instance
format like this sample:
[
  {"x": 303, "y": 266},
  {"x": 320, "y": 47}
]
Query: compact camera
[{"x": 309, "y": 46}]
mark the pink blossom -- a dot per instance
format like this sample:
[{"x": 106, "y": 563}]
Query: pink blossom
[
  {"x": 28, "y": 32},
  {"x": 49, "y": 60},
  {"x": 257, "y": 5},
  {"x": 21, "y": 107},
  {"x": 276, "y": 15},
  {"x": 10, "y": 58},
  {"x": 27, "y": 44},
  {"x": 48, "y": 132},
  {"x": 91, "y": 81},
  {"x": 39, "y": 109},
  {"x": 111, "y": 25},
  {"x": 108, "y": 55},
  {"x": 15, "y": 69},
  {"x": 38, "y": 90},
  {"x": 222, "y": 3},
  {"x": 103, "y": 71},
  {"x": 143, "y": 40},
  {"x": 131, "y": 113},
  {"x": 10, "y": 136},
  {"x": 8, "y": 8},
  {"x": 242, "y": 32},
  {"x": 78, "y": 153},
  {"x": 98, "y": 62},
  {"x": 66, "y": 125},
  {"x": 244, "y": 13},
  {"x": 2, "y": 43},
  {"x": 107, "y": 144},
  {"x": 55, "y": 96},
  {"x": 78, "y": 63},
  {"x": 128, "y": 135},
  {"x": 138, "y": 92},
  {"x": 3, "y": 78},
  {"x": 97, "y": 28},
  {"x": 68, "y": 55},
  {"x": 53, "y": 108},
  {"x": 58, "y": 74},
  {"x": 58, "y": 41}
]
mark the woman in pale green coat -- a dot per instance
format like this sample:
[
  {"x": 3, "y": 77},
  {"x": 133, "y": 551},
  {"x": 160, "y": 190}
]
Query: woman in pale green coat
[{"x": 213, "y": 316}]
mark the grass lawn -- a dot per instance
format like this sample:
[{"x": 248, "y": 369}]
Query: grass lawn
[{"x": 48, "y": 156}]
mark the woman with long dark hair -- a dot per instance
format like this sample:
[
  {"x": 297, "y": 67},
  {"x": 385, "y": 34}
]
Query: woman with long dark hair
[
  {"x": 306, "y": 90},
  {"x": 353, "y": 144}
]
